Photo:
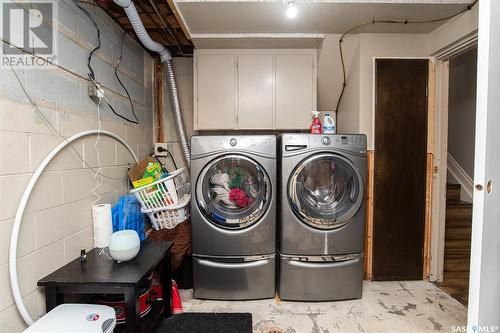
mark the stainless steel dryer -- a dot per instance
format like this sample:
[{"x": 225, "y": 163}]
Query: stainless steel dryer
[
  {"x": 233, "y": 216},
  {"x": 322, "y": 216}
]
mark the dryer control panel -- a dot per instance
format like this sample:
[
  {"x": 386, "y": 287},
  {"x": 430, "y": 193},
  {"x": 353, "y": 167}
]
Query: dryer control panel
[
  {"x": 337, "y": 140},
  {"x": 292, "y": 143}
]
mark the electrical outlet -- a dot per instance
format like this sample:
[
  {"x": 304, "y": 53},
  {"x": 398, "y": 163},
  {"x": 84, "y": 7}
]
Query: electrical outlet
[
  {"x": 95, "y": 91},
  {"x": 160, "y": 149}
]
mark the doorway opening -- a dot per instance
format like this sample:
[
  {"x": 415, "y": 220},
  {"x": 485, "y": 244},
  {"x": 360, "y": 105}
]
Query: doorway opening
[{"x": 462, "y": 80}]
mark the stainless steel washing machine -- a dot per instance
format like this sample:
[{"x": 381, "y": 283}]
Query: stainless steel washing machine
[
  {"x": 322, "y": 216},
  {"x": 233, "y": 216}
]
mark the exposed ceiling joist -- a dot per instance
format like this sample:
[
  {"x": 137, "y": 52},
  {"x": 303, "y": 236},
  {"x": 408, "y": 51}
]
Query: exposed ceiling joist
[{"x": 159, "y": 20}]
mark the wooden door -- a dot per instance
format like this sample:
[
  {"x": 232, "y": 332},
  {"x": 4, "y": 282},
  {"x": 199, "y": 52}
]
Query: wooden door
[
  {"x": 295, "y": 91},
  {"x": 215, "y": 92},
  {"x": 400, "y": 168},
  {"x": 484, "y": 287},
  {"x": 255, "y": 92}
]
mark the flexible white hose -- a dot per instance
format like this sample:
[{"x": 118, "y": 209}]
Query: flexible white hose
[
  {"x": 135, "y": 21},
  {"x": 14, "y": 283},
  {"x": 166, "y": 58}
]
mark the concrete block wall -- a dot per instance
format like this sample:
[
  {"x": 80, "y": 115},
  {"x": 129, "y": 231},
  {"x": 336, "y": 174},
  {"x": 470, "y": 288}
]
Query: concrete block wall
[{"x": 57, "y": 221}]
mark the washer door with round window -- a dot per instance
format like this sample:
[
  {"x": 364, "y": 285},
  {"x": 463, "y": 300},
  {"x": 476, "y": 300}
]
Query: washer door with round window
[
  {"x": 233, "y": 192},
  {"x": 325, "y": 191}
]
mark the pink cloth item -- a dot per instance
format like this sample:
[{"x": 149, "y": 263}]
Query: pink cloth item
[{"x": 239, "y": 197}]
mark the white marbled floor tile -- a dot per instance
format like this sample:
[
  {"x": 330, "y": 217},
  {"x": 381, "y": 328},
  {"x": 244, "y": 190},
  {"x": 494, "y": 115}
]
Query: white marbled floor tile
[{"x": 403, "y": 307}]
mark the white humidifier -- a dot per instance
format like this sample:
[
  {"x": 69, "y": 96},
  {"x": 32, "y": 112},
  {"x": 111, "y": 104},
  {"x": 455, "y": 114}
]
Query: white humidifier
[{"x": 124, "y": 245}]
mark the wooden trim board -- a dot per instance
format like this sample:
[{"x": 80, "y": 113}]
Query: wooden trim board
[
  {"x": 158, "y": 92},
  {"x": 369, "y": 216},
  {"x": 428, "y": 216},
  {"x": 179, "y": 18},
  {"x": 431, "y": 110}
]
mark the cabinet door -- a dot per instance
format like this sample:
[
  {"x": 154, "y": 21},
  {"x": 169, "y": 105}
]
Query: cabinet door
[
  {"x": 215, "y": 92},
  {"x": 295, "y": 91},
  {"x": 255, "y": 92}
]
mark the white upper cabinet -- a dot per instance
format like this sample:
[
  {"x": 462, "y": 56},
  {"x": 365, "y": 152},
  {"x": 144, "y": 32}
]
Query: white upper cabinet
[
  {"x": 255, "y": 92},
  {"x": 295, "y": 91},
  {"x": 215, "y": 92},
  {"x": 254, "y": 89}
]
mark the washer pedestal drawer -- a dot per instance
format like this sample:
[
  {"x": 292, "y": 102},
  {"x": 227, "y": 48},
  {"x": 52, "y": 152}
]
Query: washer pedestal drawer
[
  {"x": 302, "y": 280},
  {"x": 234, "y": 279}
]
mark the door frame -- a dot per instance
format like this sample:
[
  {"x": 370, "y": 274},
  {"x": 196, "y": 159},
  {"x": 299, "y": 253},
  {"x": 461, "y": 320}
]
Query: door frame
[
  {"x": 429, "y": 171},
  {"x": 484, "y": 290},
  {"x": 440, "y": 158}
]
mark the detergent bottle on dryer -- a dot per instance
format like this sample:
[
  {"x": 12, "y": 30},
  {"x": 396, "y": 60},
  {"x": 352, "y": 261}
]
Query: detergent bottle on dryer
[{"x": 328, "y": 124}]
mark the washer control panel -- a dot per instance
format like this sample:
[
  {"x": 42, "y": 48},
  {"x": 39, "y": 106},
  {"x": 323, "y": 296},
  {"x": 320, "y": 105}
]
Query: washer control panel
[
  {"x": 211, "y": 144},
  {"x": 326, "y": 140}
]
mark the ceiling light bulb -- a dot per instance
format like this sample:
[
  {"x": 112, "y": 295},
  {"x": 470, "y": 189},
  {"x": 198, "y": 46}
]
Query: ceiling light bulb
[{"x": 291, "y": 11}]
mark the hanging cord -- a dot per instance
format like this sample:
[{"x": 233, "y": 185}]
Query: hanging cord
[
  {"x": 97, "y": 47},
  {"x": 120, "y": 81},
  {"x": 171, "y": 158},
  {"x": 374, "y": 21},
  {"x": 91, "y": 70},
  {"x": 98, "y": 154},
  {"x": 105, "y": 253},
  {"x": 53, "y": 128}
]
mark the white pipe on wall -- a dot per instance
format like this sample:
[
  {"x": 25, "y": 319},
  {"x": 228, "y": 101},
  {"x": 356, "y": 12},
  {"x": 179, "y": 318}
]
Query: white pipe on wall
[{"x": 14, "y": 282}]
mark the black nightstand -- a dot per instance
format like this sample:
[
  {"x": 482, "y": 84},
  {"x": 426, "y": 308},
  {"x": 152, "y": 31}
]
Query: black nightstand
[{"x": 100, "y": 275}]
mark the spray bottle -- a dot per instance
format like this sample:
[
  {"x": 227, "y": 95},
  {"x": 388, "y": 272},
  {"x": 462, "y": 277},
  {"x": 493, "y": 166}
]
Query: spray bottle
[{"x": 315, "y": 127}]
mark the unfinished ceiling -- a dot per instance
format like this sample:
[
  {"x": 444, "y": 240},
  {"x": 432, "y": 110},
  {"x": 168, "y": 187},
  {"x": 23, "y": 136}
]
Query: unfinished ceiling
[{"x": 159, "y": 20}]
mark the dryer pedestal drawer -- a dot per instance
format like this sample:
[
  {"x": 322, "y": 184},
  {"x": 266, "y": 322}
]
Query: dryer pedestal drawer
[
  {"x": 221, "y": 279},
  {"x": 301, "y": 280}
]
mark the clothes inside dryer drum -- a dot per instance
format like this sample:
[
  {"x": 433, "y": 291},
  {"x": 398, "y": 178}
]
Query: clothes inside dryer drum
[
  {"x": 233, "y": 191},
  {"x": 325, "y": 191}
]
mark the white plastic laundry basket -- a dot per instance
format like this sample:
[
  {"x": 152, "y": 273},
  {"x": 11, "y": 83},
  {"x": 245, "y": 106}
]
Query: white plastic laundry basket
[
  {"x": 170, "y": 217},
  {"x": 166, "y": 200}
]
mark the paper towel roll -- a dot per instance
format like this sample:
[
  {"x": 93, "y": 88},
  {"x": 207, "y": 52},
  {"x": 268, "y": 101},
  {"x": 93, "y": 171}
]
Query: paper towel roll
[{"x": 103, "y": 224}]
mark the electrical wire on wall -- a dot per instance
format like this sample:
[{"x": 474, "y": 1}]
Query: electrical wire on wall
[
  {"x": 53, "y": 128},
  {"x": 92, "y": 74},
  {"x": 375, "y": 21},
  {"x": 118, "y": 78},
  {"x": 170, "y": 156}
]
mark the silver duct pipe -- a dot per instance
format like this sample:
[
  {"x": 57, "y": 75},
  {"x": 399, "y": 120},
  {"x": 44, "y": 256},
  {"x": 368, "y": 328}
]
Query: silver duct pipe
[
  {"x": 166, "y": 59},
  {"x": 179, "y": 119}
]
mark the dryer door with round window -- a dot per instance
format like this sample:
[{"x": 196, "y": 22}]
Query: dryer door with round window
[
  {"x": 233, "y": 191},
  {"x": 325, "y": 191}
]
